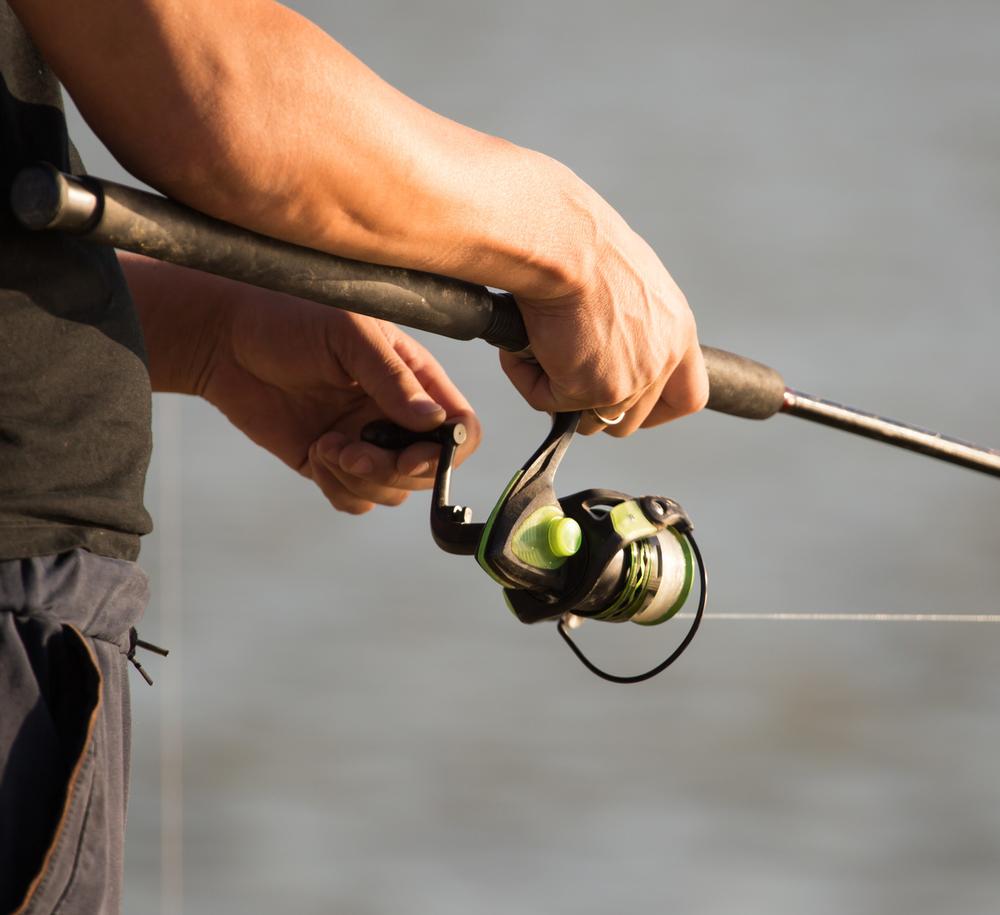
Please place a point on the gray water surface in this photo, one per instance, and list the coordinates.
(365, 728)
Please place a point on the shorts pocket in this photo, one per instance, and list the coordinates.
(52, 684)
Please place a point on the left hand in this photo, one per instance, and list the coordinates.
(302, 379)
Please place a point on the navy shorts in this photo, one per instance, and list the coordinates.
(65, 626)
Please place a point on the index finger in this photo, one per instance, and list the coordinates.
(443, 390)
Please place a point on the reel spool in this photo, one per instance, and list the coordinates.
(598, 554)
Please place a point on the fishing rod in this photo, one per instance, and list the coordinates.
(598, 554)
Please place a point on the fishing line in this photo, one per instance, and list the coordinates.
(849, 617)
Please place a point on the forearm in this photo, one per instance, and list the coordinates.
(245, 110)
(181, 312)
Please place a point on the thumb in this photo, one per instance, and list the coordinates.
(387, 379)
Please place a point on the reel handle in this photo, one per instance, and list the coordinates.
(384, 433)
(451, 525)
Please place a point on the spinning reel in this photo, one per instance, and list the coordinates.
(597, 554)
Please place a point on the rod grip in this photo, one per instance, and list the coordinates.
(133, 220)
(44, 198)
(741, 387)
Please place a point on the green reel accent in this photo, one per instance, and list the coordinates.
(565, 537)
(547, 538)
(488, 529)
(640, 566)
(629, 521)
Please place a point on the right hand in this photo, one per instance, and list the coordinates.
(302, 380)
(622, 338)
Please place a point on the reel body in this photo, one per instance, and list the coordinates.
(597, 554)
(634, 562)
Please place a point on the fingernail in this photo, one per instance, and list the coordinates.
(419, 469)
(425, 406)
(363, 465)
(330, 448)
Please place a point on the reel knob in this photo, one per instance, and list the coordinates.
(565, 537)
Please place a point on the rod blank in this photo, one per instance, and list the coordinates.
(892, 432)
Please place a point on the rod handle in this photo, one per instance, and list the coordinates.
(133, 220)
(742, 387)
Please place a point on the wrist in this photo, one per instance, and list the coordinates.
(550, 247)
(184, 315)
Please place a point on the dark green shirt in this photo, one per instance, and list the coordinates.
(74, 388)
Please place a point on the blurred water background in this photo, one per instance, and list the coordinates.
(361, 726)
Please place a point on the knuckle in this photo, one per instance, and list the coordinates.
(391, 479)
(686, 402)
(395, 498)
(351, 506)
(700, 399)
(633, 419)
(697, 393)
(395, 372)
(608, 391)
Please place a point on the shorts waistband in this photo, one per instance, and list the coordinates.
(102, 597)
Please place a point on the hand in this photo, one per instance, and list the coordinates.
(622, 339)
(301, 380)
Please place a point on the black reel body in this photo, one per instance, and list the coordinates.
(629, 567)
(597, 554)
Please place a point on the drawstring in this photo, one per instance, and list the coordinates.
(135, 642)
